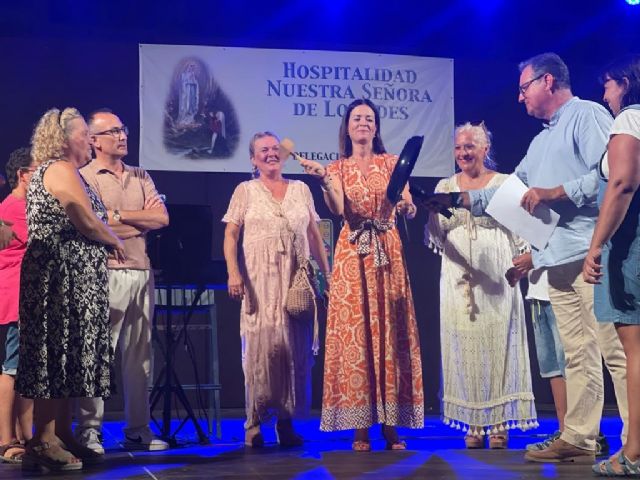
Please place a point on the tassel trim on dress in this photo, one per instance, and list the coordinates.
(491, 430)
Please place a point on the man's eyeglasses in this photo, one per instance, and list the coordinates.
(114, 132)
(523, 88)
(27, 169)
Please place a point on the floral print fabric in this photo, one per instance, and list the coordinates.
(372, 370)
(64, 309)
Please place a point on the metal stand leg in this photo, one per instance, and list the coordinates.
(214, 393)
(168, 384)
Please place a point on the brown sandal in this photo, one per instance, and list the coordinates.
(399, 445)
(393, 442)
(361, 446)
(474, 441)
(498, 441)
(16, 457)
(49, 457)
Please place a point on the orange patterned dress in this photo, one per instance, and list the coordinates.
(372, 371)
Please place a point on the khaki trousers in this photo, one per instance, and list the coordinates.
(586, 342)
(131, 303)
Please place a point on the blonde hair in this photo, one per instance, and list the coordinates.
(258, 136)
(252, 148)
(482, 136)
(49, 138)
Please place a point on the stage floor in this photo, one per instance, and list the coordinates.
(435, 452)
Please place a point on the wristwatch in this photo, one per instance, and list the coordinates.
(116, 215)
(456, 199)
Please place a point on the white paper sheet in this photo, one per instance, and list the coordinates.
(505, 207)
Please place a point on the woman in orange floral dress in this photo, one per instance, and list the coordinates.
(372, 371)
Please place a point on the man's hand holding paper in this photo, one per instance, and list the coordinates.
(511, 206)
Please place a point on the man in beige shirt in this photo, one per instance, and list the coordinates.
(134, 207)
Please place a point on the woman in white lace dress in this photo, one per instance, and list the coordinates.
(270, 213)
(486, 378)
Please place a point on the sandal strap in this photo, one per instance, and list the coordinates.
(52, 458)
(628, 467)
(41, 447)
(14, 445)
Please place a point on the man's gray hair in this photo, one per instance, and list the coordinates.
(548, 63)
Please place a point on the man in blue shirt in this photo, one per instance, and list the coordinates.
(559, 169)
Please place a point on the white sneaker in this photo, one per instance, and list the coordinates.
(90, 438)
(143, 439)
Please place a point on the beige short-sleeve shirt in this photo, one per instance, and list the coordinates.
(134, 190)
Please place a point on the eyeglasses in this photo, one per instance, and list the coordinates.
(27, 169)
(523, 88)
(114, 132)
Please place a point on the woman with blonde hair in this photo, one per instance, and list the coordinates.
(270, 222)
(64, 316)
(486, 378)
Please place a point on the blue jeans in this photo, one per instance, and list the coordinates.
(617, 297)
(548, 345)
(12, 346)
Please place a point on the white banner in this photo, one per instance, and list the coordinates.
(200, 106)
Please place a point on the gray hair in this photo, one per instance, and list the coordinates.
(482, 136)
(548, 62)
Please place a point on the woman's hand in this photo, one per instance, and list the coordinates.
(236, 286)
(591, 268)
(406, 208)
(118, 252)
(313, 168)
(331, 189)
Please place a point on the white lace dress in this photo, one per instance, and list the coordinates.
(276, 352)
(486, 377)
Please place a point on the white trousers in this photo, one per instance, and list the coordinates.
(131, 303)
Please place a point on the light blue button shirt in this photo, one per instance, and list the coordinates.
(565, 153)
